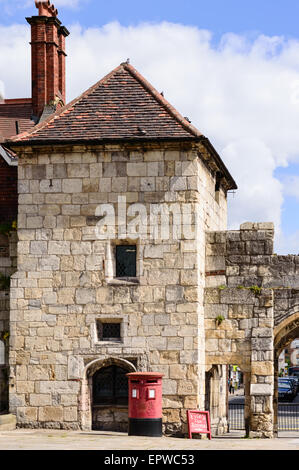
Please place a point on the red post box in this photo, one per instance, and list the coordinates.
(145, 404)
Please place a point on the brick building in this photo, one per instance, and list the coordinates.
(48, 94)
(18, 116)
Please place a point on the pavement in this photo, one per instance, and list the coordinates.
(237, 393)
(32, 439)
(48, 439)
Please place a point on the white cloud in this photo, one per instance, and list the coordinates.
(288, 244)
(291, 186)
(259, 197)
(243, 94)
(15, 60)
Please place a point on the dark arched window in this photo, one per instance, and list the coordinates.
(110, 386)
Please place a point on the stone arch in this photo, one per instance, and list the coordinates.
(97, 364)
(86, 392)
(286, 331)
(216, 397)
(212, 393)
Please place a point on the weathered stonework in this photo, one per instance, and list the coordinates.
(196, 305)
(169, 314)
(254, 293)
(66, 282)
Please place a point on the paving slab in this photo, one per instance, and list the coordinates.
(30, 439)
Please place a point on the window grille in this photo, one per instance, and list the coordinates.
(108, 331)
(126, 261)
(110, 386)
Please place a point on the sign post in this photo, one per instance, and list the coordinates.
(199, 422)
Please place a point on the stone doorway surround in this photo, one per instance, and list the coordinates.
(86, 389)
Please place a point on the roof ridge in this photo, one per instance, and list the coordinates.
(162, 101)
(137, 76)
(67, 107)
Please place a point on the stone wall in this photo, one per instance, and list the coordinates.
(239, 315)
(66, 282)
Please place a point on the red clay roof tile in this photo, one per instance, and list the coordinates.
(123, 105)
(12, 111)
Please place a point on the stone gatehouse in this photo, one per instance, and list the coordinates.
(124, 263)
(256, 294)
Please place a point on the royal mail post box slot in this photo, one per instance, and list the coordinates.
(135, 381)
(151, 381)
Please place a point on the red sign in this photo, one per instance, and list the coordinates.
(198, 422)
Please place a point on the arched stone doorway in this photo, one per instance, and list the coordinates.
(104, 395)
(284, 334)
(216, 398)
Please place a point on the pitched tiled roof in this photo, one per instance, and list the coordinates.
(15, 115)
(123, 105)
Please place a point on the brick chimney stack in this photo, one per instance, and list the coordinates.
(47, 60)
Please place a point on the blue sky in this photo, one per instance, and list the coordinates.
(271, 17)
(232, 66)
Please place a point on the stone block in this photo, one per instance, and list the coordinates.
(26, 414)
(59, 248)
(163, 277)
(81, 248)
(175, 344)
(237, 296)
(38, 399)
(169, 387)
(66, 295)
(24, 386)
(38, 372)
(186, 387)
(51, 413)
(262, 368)
(73, 185)
(261, 389)
(78, 170)
(177, 371)
(174, 293)
(85, 296)
(38, 248)
(70, 414)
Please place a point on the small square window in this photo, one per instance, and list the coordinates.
(108, 331)
(125, 261)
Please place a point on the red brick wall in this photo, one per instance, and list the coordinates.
(47, 61)
(9, 192)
